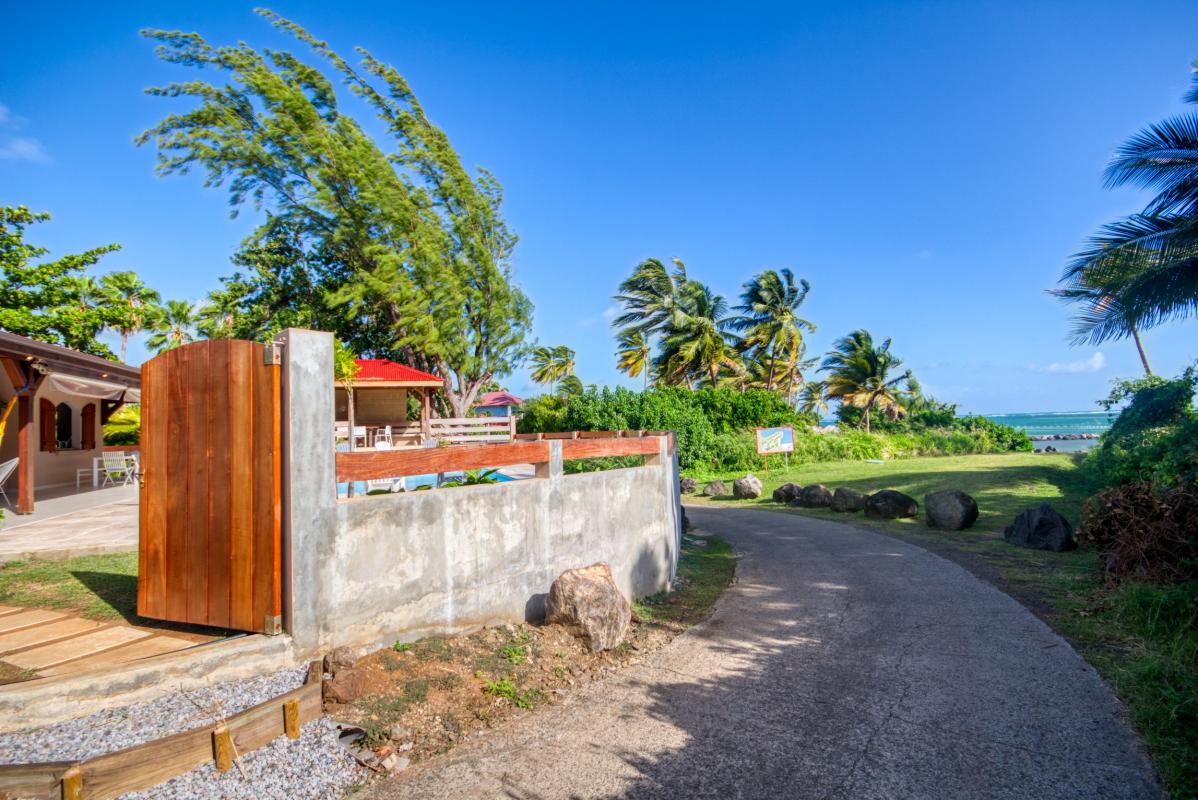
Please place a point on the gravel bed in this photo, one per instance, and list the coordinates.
(118, 728)
(312, 767)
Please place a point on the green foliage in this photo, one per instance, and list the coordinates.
(173, 326)
(551, 364)
(507, 688)
(52, 301)
(859, 376)
(124, 426)
(1154, 438)
(401, 250)
(542, 414)
(473, 478)
(133, 304)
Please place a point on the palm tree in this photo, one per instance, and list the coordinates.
(135, 300)
(769, 319)
(173, 326)
(813, 398)
(1142, 270)
(633, 353)
(570, 386)
(697, 343)
(859, 376)
(650, 297)
(551, 364)
(84, 291)
(215, 318)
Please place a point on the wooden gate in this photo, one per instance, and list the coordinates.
(209, 551)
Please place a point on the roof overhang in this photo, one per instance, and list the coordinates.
(100, 374)
(394, 384)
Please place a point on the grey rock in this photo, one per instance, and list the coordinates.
(588, 601)
(1041, 528)
(715, 488)
(847, 500)
(950, 509)
(688, 485)
(815, 496)
(746, 488)
(787, 492)
(889, 504)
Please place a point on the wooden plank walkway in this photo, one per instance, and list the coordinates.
(47, 643)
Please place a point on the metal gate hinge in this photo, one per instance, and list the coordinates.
(272, 354)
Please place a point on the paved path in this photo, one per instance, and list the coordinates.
(843, 664)
(87, 523)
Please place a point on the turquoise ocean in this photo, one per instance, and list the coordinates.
(1059, 422)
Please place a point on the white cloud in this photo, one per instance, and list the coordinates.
(1094, 363)
(23, 148)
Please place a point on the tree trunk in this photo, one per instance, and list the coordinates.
(1135, 335)
(349, 405)
(124, 345)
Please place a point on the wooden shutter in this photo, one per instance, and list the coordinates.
(88, 418)
(47, 419)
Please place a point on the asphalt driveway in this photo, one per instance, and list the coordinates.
(843, 664)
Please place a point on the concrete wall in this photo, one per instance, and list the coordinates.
(371, 570)
(56, 468)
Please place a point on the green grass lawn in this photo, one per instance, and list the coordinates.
(100, 587)
(1143, 639)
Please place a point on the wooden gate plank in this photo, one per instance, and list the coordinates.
(151, 575)
(195, 526)
(265, 466)
(220, 368)
(178, 379)
(241, 487)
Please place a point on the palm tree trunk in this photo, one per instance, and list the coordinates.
(124, 345)
(1135, 335)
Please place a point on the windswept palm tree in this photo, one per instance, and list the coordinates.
(135, 301)
(173, 326)
(698, 344)
(632, 357)
(214, 319)
(813, 398)
(1142, 270)
(551, 364)
(84, 291)
(858, 374)
(570, 386)
(651, 297)
(770, 321)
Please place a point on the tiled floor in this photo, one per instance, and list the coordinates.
(99, 521)
(45, 643)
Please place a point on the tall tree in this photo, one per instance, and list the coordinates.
(813, 398)
(859, 375)
(551, 364)
(651, 297)
(698, 343)
(52, 301)
(632, 355)
(173, 325)
(1142, 270)
(770, 321)
(133, 303)
(412, 246)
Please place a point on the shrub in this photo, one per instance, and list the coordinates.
(1143, 532)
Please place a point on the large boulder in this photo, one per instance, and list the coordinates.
(951, 510)
(847, 500)
(688, 485)
(889, 504)
(746, 488)
(347, 686)
(1041, 528)
(588, 601)
(715, 489)
(815, 496)
(787, 492)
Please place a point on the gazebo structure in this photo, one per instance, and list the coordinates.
(390, 396)
(57, 399)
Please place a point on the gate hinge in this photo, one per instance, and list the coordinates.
(272, 354)
(273, 625)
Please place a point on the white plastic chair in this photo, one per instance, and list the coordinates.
(383, 435)
(115, 467)
(360, 433)
(6, 471)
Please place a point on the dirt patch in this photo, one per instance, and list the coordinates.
(421, 699)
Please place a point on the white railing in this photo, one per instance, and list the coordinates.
(473, 430)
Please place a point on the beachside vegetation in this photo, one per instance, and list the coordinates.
(395, 247)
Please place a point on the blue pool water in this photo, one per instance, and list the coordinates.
(414, 481)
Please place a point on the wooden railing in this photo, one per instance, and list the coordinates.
(473, 430)
(365, 465)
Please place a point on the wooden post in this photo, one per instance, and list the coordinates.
(425, 412)
(291, 723)
(26, 450)
(72, 784)
(222, 748)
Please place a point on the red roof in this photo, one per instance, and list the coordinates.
(497, 400)
(380, 369)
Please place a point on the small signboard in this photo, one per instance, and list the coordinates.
(775, 440)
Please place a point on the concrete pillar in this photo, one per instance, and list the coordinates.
(309, 480)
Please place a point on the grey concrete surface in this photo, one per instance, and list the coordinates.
(71, 524)
(842, 664)
(366, 571)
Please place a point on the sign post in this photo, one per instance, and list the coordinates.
(775, 440)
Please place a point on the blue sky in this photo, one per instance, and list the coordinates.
(929, 167)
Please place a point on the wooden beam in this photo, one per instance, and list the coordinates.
(602, 448)
(364, 465)
(16, 372)
(26, 449)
